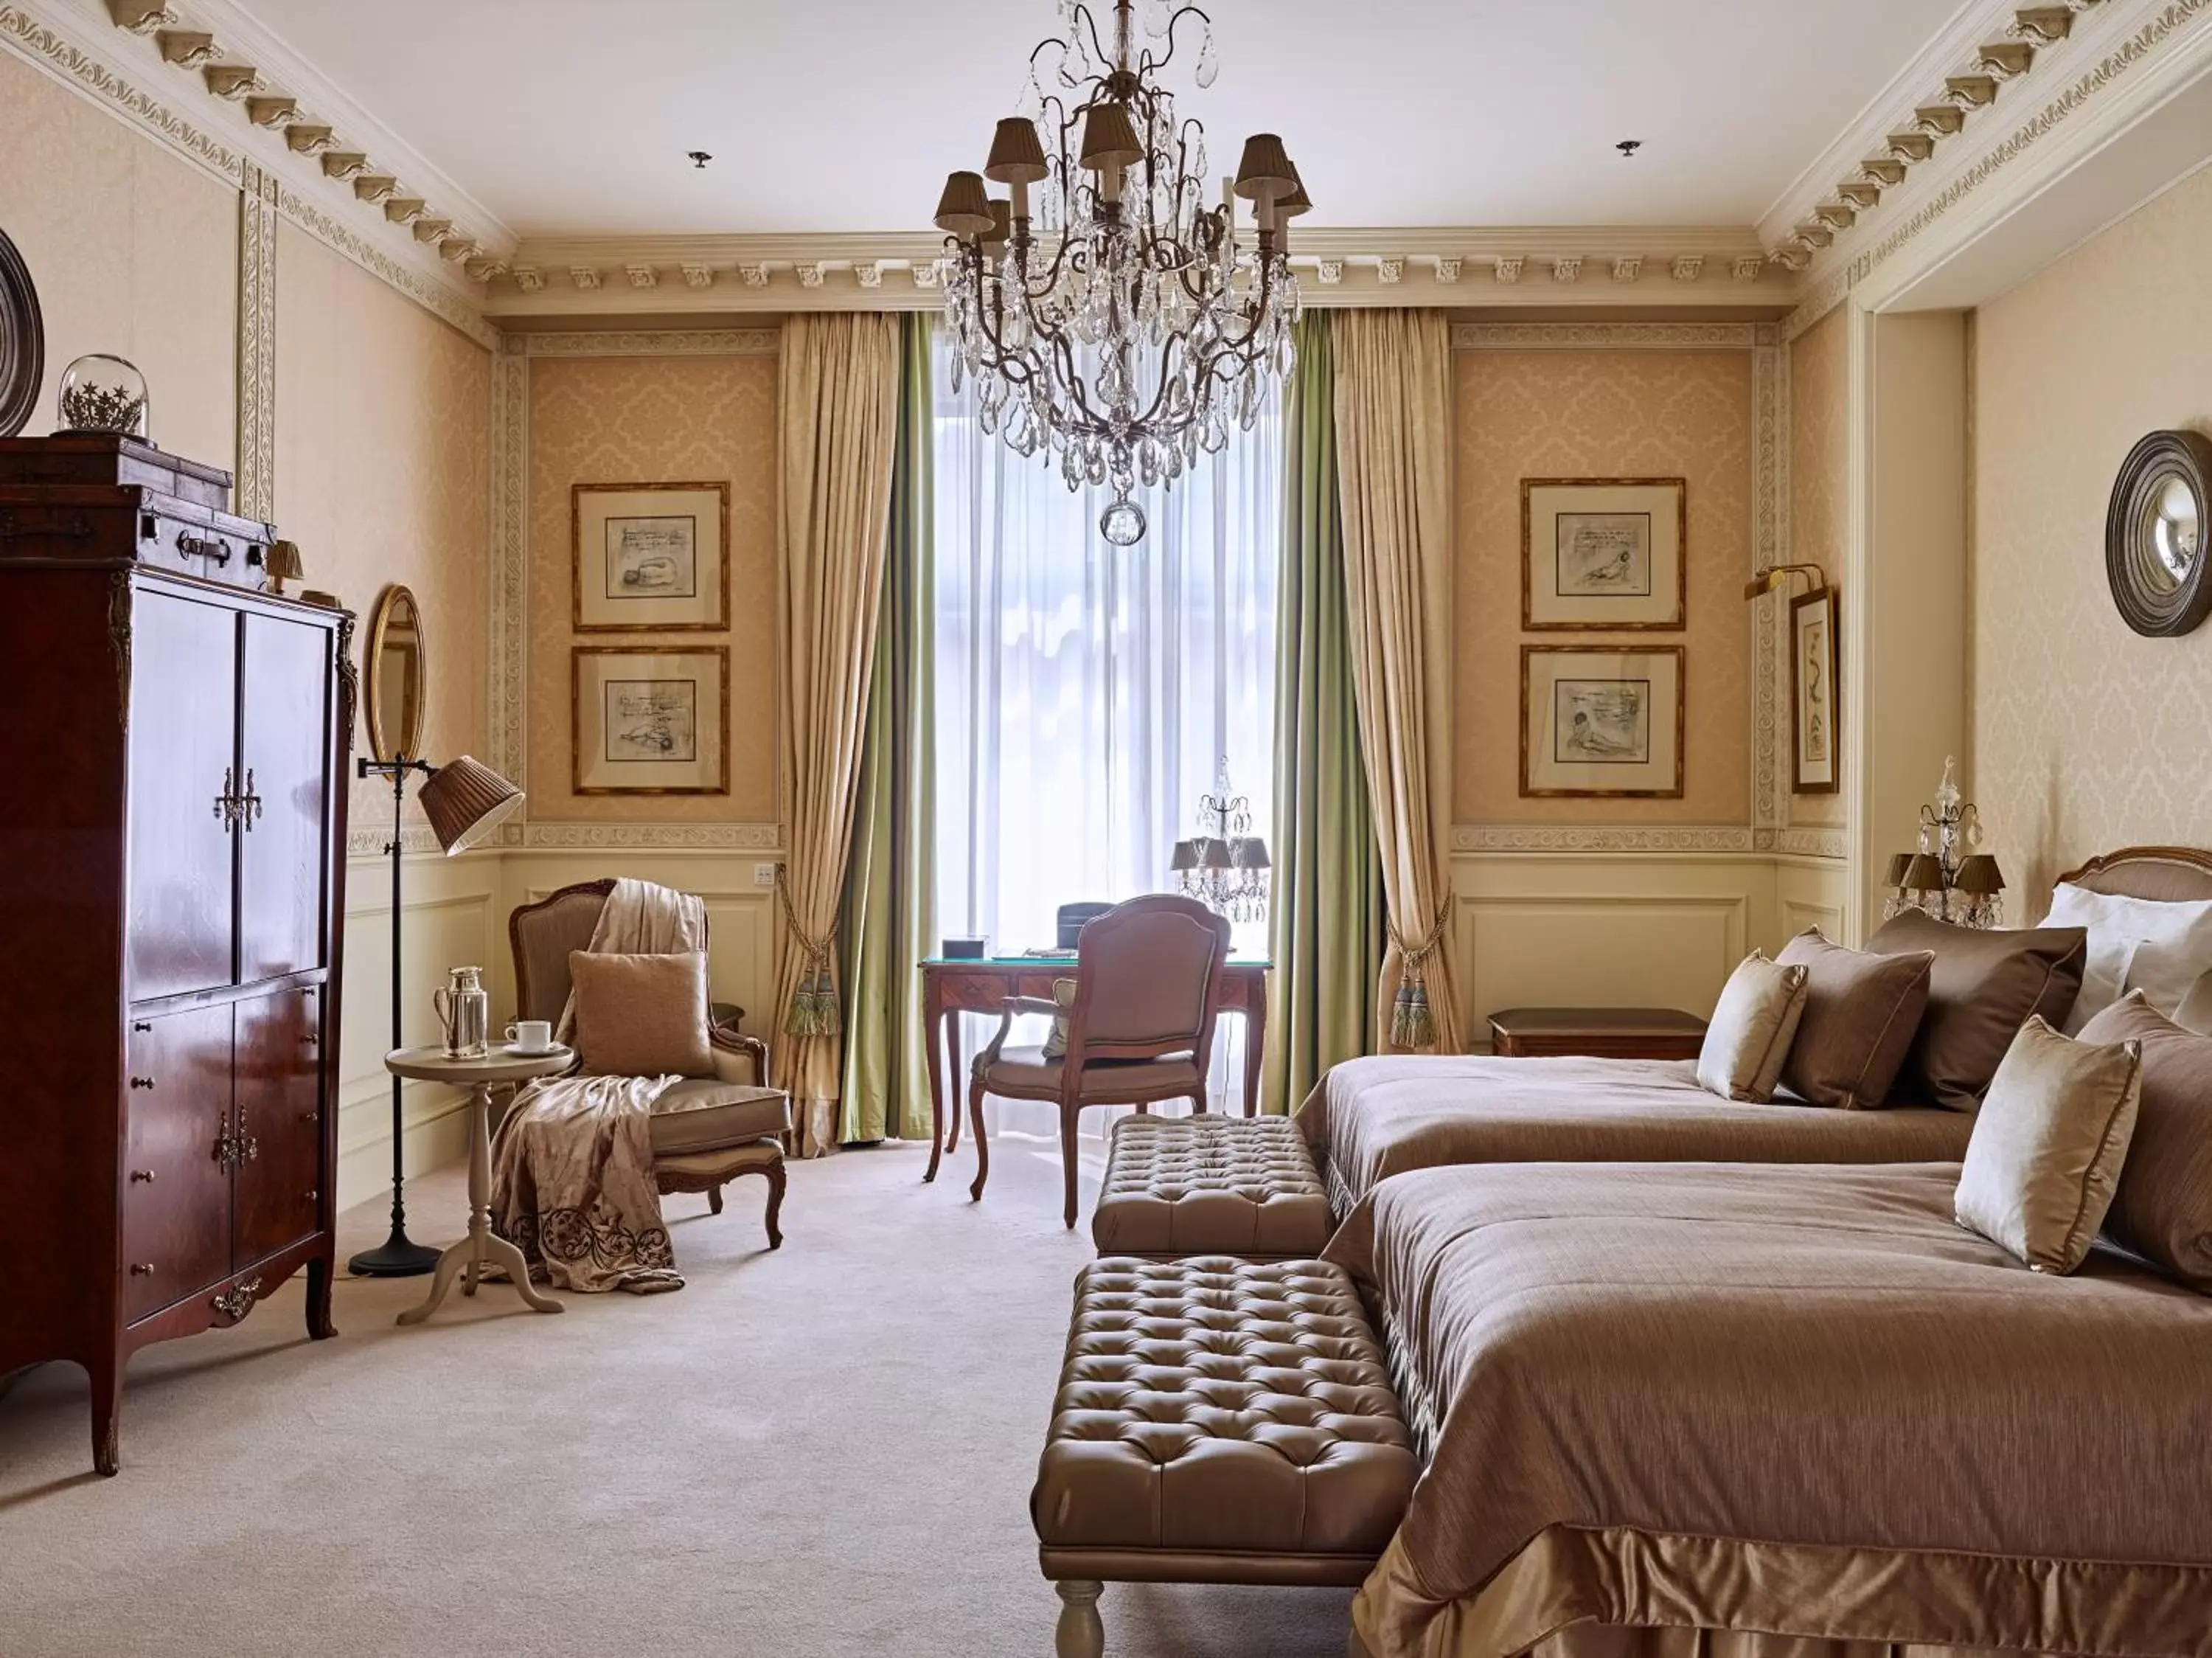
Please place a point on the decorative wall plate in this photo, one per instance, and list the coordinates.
(22, 340)
(2156, 532)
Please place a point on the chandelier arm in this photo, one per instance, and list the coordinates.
(1168, 56)
(1083, 15)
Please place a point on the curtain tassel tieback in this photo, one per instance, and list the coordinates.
(1413, 1023)
(815, 1006)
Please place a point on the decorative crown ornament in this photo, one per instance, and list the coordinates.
(1126, 326)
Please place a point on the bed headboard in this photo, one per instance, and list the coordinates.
(2168, 874)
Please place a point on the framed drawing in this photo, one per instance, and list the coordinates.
(649, 720)
(1599, 723)
(1602, 553)
(1814, 685)
(651, 557)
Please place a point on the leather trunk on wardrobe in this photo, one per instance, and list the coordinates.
(173, 739)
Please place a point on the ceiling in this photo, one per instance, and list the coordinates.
(573, 116)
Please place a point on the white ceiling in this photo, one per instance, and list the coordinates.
(574, 116)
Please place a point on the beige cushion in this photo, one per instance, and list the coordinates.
(1981, 990)
(1020, 1072)
(1751, 1030)
(2163, 1208)
(1205, 1184)
(1861, 1012)
(700, 1115)
(2048, 1145)
(641, 1015)
(1063, 992)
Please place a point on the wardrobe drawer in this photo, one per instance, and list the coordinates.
(175, 1180)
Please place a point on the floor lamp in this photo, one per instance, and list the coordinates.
(460, 799)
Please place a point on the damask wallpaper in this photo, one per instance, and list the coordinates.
(1819, 456)
(602, 420)
(133, 252)
(2085, 735)
(383, 458)
(1602, 414)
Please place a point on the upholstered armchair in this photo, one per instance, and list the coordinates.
(706, 1131)
(1140, 1025)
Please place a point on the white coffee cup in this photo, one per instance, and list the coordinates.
(531, 1036)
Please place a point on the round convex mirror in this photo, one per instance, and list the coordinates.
(22, 340)
(398, 683)
(2154, 551)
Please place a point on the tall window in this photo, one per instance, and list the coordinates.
(1087, 694)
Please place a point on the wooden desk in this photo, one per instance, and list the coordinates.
(951, 988)
(1600, 1032)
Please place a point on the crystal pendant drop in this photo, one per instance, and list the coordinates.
(1122, 523)
(1208, 64)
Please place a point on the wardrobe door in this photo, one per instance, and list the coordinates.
(279, 1124)
(183, 706)
(176, 1180)
(286, 788)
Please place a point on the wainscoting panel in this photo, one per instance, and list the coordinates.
(452, 920)
(1812, 892)
(1626, 929)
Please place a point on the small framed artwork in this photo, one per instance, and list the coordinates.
(1602, 553)
(1815, 685)
(1599, 723)
(651, 557)
(649, 720)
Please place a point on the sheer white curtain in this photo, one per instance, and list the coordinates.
(1087, 694)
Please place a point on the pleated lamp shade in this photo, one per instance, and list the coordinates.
(1297, 201)
(1265, 173)
(1925, 874)
(1900, 865)
(1978, 875)
(1109, 140)
(1016, 157)
(463, 797)
(964, 210)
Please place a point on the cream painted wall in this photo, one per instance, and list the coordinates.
(2086, 736)
(133, 252)
(1819, 484)
(668, 419)
(1607, 414)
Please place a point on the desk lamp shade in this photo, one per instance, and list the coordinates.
(463, 797)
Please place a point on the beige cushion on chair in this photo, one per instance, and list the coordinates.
(1027, 1071)
(641, 1015)
(702, 1113)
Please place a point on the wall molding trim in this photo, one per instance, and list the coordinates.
(1614, 336)
(1731, 838)
(654, 837)
(254, 487)
(726, 342)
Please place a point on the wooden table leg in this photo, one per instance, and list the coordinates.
(1255, 1047)
(482, 1245)
(932, 1030)
(952, 1077)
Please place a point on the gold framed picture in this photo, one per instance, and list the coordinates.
(1603, 554)
(649, 719)
(651, 557)
(1599, 723)
(1815, 687)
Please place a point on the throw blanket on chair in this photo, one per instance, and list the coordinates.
(572, 1166)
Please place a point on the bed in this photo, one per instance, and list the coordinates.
(1368, 1120)
(1659, 1399)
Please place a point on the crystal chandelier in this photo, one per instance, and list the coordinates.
(1224, 866)
(1128, 325)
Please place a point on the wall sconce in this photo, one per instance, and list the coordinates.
(1777, 577)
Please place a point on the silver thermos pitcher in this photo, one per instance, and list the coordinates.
(464, 1010)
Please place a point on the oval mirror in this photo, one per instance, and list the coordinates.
(2155, 534)
(399, 687)
(22, 340)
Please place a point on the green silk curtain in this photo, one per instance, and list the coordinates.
(885, 923)
(1326, 929)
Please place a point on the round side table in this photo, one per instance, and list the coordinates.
(482, 1247)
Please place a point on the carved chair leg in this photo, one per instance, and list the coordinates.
(714, 1199)
(1081, 1633)
(1068, 1116)
(774, 1173)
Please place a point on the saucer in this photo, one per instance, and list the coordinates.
(521, 1052)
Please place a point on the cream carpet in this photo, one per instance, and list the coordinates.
(819, 1452)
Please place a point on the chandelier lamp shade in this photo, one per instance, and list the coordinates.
(1117, 318)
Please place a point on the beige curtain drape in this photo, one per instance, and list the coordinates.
(839, 421)
(1394, 467)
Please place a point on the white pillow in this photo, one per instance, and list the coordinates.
(2162, 949)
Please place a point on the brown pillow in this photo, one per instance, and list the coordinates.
(1862, 1011)
(1981, 990)
(1751, 1029)
(2048, 1145)
(2163, 1209)
(641, 1015)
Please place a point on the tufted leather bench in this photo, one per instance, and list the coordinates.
(1218, 1421)
(1211, 1185)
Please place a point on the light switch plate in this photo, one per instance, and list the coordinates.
(764, 875)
